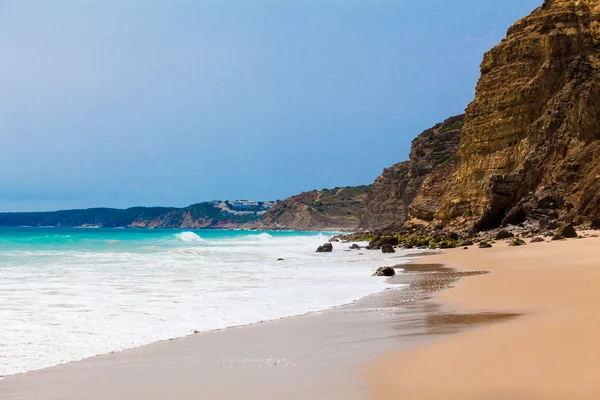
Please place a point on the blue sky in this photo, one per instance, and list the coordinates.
(122, 103)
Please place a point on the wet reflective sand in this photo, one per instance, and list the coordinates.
(317, 356)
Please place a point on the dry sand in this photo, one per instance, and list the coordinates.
(550, 352)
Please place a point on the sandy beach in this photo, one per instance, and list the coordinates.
(550, 352)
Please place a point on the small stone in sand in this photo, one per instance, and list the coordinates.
(537, 240)
(516, 242)
(484, 245)
(385, 271)
(567, 231)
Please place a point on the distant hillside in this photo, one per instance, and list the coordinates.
(333, 209)
(214, 214)
(337, 208)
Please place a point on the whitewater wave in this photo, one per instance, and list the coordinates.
(164, 284)
(322, 236)
(264, 236)
(189, 237)
(261, 236)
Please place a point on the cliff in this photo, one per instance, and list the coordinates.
(529, 145)
(530, 140)
(394, 191)
(327, 209)
(214, 214)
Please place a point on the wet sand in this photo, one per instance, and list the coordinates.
(550, 352)
(315, 356)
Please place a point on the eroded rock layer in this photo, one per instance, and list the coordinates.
(394, 191)
(530, 144)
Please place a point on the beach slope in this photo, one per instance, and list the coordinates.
(550, 352)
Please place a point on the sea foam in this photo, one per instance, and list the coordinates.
(116, 289)
(261, 236)
(188, 237)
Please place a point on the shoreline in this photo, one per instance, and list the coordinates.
(94, 306)
(549, 352)
(310, 355)
(211, 331)
(387, 284)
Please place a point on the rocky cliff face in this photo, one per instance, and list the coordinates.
(327, 209)
(530, 143)
(393, 193)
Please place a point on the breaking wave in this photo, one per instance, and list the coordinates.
(189, 237)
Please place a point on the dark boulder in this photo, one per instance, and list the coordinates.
(453, 236)
(280, 259)
(438, 237)
(377, 243)
(537, 240)
(484, 245)
(387, 248)
(467, 243)
(503, 234)
(355, 246)
(326, 248)
(567, 231)
(389, 240)
(385, 271)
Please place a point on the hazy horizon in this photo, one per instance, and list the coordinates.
(116, 104)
